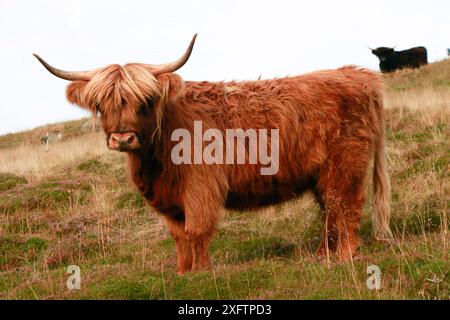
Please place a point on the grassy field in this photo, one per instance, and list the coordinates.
(74, 205)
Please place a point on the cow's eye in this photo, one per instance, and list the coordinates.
(146, 107)
(143, 110)
(150, 102)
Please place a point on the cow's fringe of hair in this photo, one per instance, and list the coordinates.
(159, 114)
(94, 120)
(159, 110)
(113, 87)
(123, 89)
(171, 87)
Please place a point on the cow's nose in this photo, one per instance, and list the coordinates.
(123, 141)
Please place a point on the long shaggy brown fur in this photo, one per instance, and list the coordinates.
(331, 128)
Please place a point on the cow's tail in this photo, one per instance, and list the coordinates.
(381, 186)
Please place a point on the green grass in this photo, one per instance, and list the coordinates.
(130, 200)
(93, 166)
(240, 247)
(16, 251)
(50, 195)
(9, 181)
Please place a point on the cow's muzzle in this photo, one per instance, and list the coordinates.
(123, 141)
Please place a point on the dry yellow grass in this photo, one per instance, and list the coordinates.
(35, 163)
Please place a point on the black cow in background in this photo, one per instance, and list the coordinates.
(391, 60)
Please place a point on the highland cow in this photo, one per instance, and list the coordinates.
(391, 60)
(331, 128)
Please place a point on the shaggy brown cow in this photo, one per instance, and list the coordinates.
(330, 125)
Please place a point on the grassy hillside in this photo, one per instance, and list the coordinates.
(74, 205)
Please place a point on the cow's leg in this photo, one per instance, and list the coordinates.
(202, 211)
(200, 251)
(342, 215)
(200, 227)
(184, 255)
(329, 241)
(203, 202)
(341, 186)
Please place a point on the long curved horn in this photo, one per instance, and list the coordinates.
(157, 69)
(66, 75)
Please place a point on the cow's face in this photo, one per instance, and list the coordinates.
(382, 52)
(127, 130)
(130, 101)
(130, 98)
(124, 96)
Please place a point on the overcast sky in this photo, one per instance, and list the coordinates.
(236, 40)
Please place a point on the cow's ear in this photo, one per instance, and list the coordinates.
(75, 94)
(171, 86)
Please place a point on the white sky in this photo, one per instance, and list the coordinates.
(237, 40)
